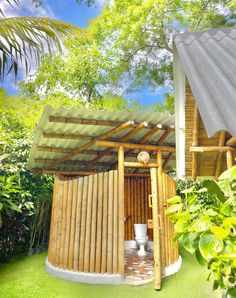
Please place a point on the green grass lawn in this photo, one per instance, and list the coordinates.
(25, 277)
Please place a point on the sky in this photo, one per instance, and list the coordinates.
(78, 15)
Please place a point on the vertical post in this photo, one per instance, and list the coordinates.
(161, 208)
(156, 230)
(195, 142)
(229, 159)
(220, 154)
(121, 254)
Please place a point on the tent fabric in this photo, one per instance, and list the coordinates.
(209, 62)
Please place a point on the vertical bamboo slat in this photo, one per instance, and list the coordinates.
(115, 224)
(63, 225)
(83, 224)
(78, 224)
(73, 222)
(121, 208)
(104, 224)
(110, 222)
(88, 224)
(99, 224)
(68, 221)
(94, 224)
(156, 230)
(59, 208)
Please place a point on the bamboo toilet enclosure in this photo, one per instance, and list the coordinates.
(93, 216)
(102, 189)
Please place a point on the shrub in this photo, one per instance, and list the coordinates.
(204, 217)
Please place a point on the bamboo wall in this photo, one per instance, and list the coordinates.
(206, 162)
(85, 224)
(85, 221)
(137, 209)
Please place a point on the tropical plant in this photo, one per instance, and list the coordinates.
(24, 39)
(209, 230)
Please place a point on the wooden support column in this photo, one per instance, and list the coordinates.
(161, 208)
(229, 159)
(195, 142)
(121, 171)
(220, 154)
(156, 230)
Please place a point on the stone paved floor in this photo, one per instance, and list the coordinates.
(138, 270)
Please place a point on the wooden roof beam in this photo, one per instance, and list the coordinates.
(134, 146)
(75, 120)
(202, 149)
(71, 162)
(88, 145)
(87, 173)
(132, 132)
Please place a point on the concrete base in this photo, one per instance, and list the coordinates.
(98, 278)
(91, 278)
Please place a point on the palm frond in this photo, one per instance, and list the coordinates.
(24, 39)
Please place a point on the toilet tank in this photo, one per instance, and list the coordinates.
(140, 230)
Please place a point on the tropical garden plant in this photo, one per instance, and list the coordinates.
(204, 218)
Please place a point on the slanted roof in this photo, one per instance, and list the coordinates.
(209, 62)
(65, 139)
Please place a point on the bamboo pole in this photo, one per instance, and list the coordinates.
(94, 224)
(78, 224)
(59, 221)
(53, 234)
(87, 247)
(104, 224)
(110, 223)
(202, 149)
(125, 208)
(195, 141)
(87, 173)
(139, 199)
(83, 224)
(161, 187)
(99, 224)
(222, 136)
(134, 146)
(140, 165)
(68, 222)
(63, 225)
(121, 208)
(115, 224)
(156, 231)
(229, 159)
(73, 224)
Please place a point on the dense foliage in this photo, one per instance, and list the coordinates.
(204, 218)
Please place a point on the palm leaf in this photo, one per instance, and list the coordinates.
(24, 39)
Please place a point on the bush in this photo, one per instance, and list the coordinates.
(204, 217)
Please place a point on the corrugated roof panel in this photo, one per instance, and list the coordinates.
(209, 61)
(45, 126)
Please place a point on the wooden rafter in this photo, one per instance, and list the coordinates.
(88, 152)
(66, 136)
(168, 158)
(127, 136)
(70, 162)
(75, 120)
(165, 135)
(88, 145)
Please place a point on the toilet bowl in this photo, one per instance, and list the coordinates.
(141, 237)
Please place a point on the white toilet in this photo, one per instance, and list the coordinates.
(141, 237)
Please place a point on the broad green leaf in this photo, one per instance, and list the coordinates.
(228, 174)
(175, 199)
(219, 232)
(200, 225)
(1, 206)
(188, 242)
(210, 245)
(174, 208)
(214, 188)
(199, 257)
